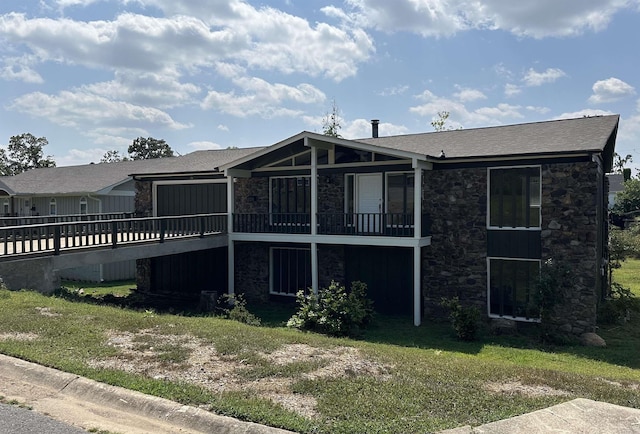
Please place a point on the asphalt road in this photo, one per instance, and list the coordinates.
(17, 420)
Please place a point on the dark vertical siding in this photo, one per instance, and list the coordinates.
(180, 199)
(388, 273)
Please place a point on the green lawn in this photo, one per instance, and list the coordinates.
(629, 275)
(405, 378)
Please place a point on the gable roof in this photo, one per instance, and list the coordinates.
(101, 178)
(580, 135)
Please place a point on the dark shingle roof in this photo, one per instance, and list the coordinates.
(95, 178)
(588, 134)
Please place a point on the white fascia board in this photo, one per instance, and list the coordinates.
(262, 152)
(331, 239)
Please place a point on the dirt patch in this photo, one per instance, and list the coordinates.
(18, 336)
(46, 311)
(146, 352)
(517, 388)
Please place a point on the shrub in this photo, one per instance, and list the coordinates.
(464, 319)
(618, 306)
(234, 307)
(334, 311)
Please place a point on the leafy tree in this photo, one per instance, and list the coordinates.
(619, 163)
(24, 152)
(112, 156)
(331, 122)
(439, 124)
(147, 148)
(628, 200)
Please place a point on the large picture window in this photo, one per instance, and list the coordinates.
(290, 270)
(400, 193)
(291, 195)
(511, 288)
(514, 197)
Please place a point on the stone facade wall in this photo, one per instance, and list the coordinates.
(252, 271)
(143, 204)
(143, 207)
(569, 236)
(331, 265)
(331, 193)
(455, 262)
(252, 195)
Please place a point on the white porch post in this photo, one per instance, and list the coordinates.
(230, 248)
(417, 287)
(417, 234)
(314, 216)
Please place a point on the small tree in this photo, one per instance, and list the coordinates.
(112, 156)
(24, 152)
(439, 124)
(628, 200)
(331, 122)
(148, 148)
(619, 163)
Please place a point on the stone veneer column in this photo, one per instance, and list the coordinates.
(455, 262)
(569, 236)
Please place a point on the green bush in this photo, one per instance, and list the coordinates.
(234, 307)
(617, 308)
(334, 311)
(464, 319)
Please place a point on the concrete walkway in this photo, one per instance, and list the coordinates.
(92, 405)
(580, 416)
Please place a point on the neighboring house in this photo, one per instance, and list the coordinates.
(468, 213)
(103, 188)
(616, 185)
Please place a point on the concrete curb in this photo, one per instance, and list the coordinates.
(63, 384)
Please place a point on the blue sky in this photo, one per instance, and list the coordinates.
(92, 75)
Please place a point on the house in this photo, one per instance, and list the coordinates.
(106, 188)
(468, 213)
(616, 185)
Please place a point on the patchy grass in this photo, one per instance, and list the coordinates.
(99, 290)
(397, 378)
(629, 275)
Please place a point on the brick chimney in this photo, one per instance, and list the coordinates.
(374, 128)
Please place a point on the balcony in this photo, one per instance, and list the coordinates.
(363, 224)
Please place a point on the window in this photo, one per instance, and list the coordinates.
(291, 195)
(5, 208)
(511, 288)
(290, 270)
(400, 187)
(514, 197)
(83, 205)
(53, 206)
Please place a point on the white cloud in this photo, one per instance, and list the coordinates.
(539, 19)
(609, 90)
(19, 69)
(512, 90)
(394, 90)
(468, 95)
(460, 115)
(79, 109)
(534, 78)
(222, 127)
(262, 98)
(203, 145)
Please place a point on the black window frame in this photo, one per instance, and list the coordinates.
(502, 194)
(505, 296)
(284, 260)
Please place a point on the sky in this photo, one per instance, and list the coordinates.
(93, 75)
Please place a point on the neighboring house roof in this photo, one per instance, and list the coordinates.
(101, 178)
